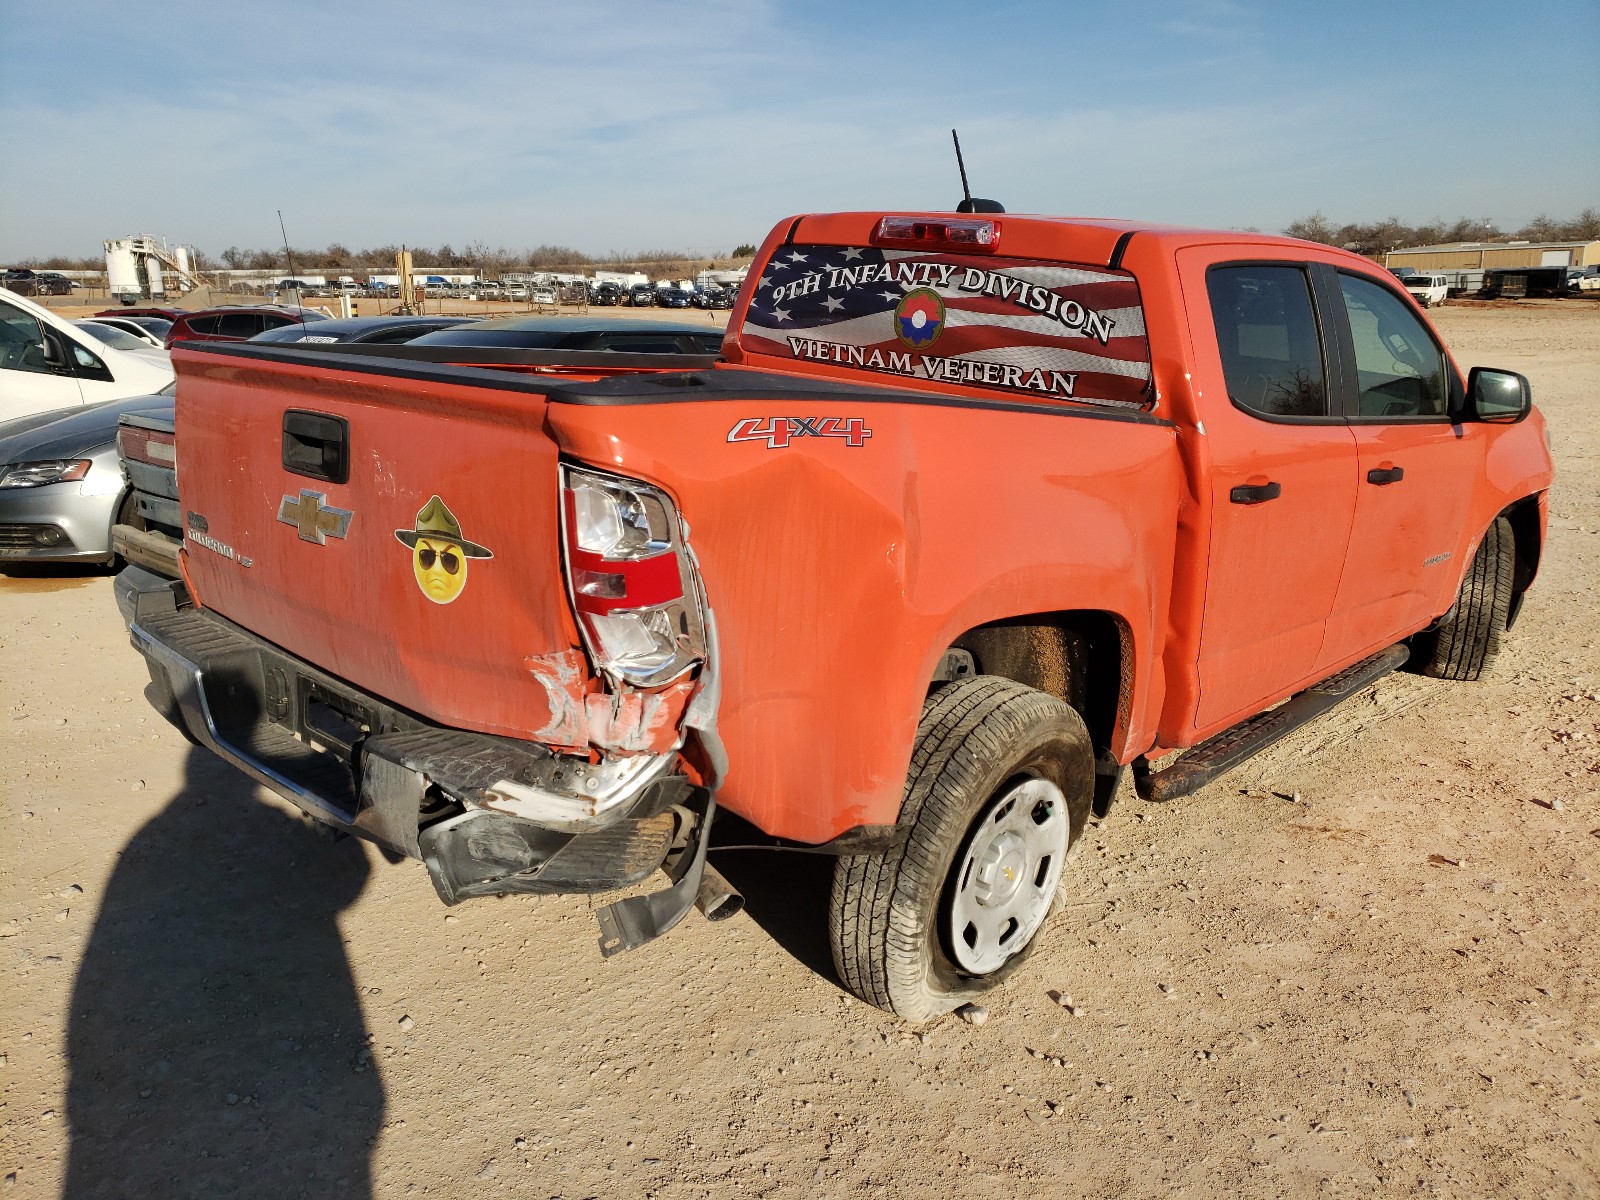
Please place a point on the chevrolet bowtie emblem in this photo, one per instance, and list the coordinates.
(310, 514)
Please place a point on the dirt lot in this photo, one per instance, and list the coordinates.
(1363, 965)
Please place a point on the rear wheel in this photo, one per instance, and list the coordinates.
(1467, 639)
(999, 790)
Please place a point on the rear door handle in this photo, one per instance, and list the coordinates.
(1255, 493)
(1383, 475)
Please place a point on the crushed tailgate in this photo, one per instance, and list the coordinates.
(395, 524)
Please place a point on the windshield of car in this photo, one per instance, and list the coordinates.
(118, 339)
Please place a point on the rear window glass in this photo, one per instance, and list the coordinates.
(1040, 329)
(522, 338)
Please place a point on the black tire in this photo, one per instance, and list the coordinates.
(1467, 639)
(976, 741)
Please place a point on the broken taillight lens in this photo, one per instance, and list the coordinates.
(939, 233)
(632, 583)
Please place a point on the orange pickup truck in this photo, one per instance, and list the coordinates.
(974, 512)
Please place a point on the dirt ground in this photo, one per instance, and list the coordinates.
(1363, 965)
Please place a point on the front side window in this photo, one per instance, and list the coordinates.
(1267, 335)
(1399, 368)
(22, 345)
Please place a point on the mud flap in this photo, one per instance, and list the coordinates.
(629, 924)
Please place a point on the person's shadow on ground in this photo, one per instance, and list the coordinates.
(215, 1031)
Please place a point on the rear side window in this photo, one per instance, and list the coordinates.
(203, 324)
(1017, 325)
(1399, 368)
(1267, 336)
(240, 325)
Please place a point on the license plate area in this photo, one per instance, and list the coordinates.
(331, 720)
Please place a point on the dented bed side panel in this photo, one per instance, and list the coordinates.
(839, 572)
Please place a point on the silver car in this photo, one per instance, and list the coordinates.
(61, 486)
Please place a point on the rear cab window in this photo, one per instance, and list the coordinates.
(1041, 330)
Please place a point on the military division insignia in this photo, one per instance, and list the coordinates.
(919, 317)
(439, 553)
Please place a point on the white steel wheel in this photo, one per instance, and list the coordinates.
(999, 789)
(1006, 881)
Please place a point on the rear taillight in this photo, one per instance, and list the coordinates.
(632, 583)
(147, 446)
(939, 233)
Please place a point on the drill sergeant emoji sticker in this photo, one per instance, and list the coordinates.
(439, 553)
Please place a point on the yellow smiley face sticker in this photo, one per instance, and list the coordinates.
(439, 552)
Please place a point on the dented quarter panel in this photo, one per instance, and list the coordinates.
(840, 573)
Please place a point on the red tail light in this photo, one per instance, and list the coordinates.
(630, 577)
(147, 446)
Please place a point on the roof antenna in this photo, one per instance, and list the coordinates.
(300, 305)
(970, 204)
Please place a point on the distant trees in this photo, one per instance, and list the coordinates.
(1392, 233)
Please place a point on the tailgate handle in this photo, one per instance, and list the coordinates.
(316, 445)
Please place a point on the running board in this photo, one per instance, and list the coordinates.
(1216, 755)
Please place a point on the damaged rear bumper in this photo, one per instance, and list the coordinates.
(486, 814)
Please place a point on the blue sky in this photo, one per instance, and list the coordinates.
(622, 125)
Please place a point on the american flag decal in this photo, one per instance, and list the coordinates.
(1075, 333)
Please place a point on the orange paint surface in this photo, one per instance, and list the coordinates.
(840, 569)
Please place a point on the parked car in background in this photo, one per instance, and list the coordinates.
(607, 294)
(47, 363)
(21, 281)
(164, 314)
(140, 342)
(156, 327)
(613, 334)
(236, 324)
(53, 283)
(515, 291)
(367, 330)
(137, 329)
(545, 296)
(642, 295)
(1427, 290)
(671, 297)
(61, 486)
(1584, 279)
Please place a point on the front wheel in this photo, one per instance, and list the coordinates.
(999, 790)
(1467, 639)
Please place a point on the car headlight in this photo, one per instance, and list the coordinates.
(37, 474)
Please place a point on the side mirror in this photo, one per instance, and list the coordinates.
(53, 353)
(1498, 397)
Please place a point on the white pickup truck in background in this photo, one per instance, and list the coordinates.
(1428, 290)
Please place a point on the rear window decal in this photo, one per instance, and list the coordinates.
(1071, 332)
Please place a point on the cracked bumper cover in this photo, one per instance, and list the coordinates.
(530, 820)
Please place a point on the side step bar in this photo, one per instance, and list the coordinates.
(1199, 766)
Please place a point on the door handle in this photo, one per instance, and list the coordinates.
(1255, 493)
(1383, 475)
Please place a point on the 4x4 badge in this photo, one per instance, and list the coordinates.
(314, 519)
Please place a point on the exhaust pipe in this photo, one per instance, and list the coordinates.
(717, 899)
